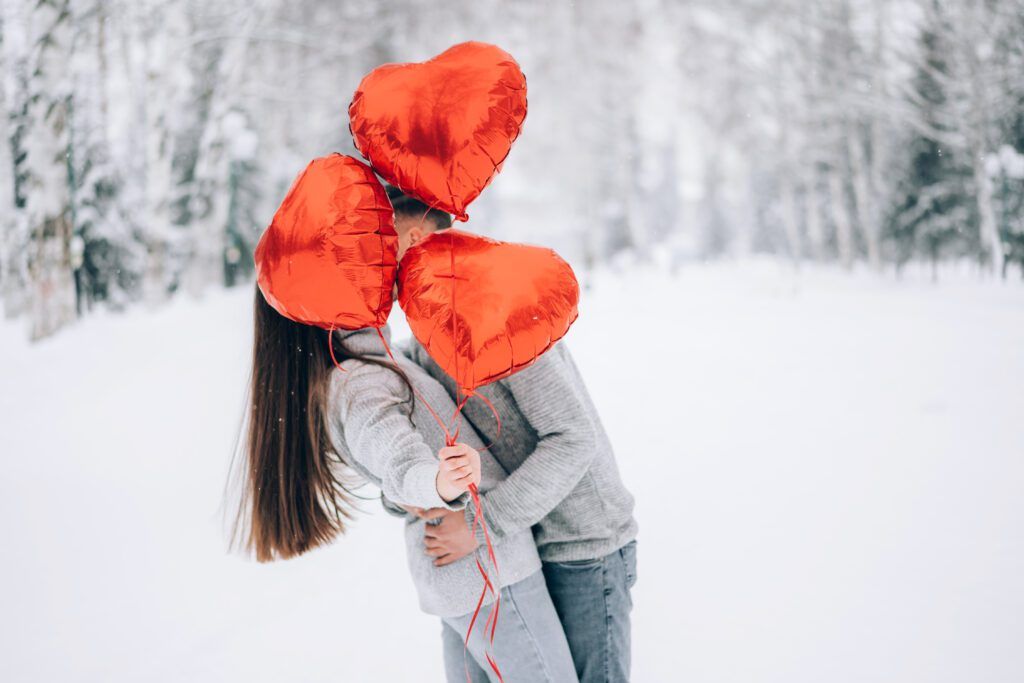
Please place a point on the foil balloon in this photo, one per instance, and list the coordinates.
(329, 257)
(441, 129)
(485, 309)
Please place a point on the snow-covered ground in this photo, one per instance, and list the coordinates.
(829, 472)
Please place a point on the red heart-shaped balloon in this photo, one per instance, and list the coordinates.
(441, 129)
(329, 257)
(485, 309)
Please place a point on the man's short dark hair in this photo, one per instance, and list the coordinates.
(410, 207)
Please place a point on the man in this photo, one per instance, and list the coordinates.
(563, 482)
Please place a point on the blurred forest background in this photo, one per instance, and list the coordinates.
(144, 144)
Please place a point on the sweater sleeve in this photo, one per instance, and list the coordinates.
(383, 440)
(567, 439)
(391, 508)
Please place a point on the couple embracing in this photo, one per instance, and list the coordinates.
(560, 519)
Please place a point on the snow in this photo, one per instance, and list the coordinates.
(1007, 161)
(828, 471)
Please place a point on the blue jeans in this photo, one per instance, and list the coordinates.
(529, 645)
(593, 601)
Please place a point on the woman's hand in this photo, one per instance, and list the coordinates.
(459, 467)
(450, 539)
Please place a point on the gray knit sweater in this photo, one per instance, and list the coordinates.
(395, 448)
(563, 480)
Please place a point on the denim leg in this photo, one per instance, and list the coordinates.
(457, 662)
(593, 601)
(529, 644)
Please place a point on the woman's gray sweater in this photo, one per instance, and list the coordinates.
(394, 444)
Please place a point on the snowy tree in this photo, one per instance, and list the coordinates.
(112, 256)
(15, 240)
(961, 63)
(210, 193)
(935, 208)
(145, 143)
(46, 169)
(9, 252)
(1006, 165)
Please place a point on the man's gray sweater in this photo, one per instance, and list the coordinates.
(563, 480)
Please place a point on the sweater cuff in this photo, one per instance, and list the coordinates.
(459, 503)
(391, 508)
(424, 486)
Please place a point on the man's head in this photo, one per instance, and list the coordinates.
(414, 220)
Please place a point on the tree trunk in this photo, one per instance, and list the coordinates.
(841, 217)
(790, 221)
(812, 211)
(879, 121)
(989, 228)
(53, 286)
(980, 131)
(863, 201)
(155, 85)
(48, 205)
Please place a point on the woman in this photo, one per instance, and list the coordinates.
(307, 417)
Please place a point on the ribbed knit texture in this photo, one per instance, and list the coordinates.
(563, 480)
(396, 449)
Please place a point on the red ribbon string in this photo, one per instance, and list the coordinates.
(448, 438)
(478, 517)
(330, 347)
(491, 623)
(497, 418)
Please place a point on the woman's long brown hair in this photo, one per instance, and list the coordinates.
(294, 495)
(293, 498)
